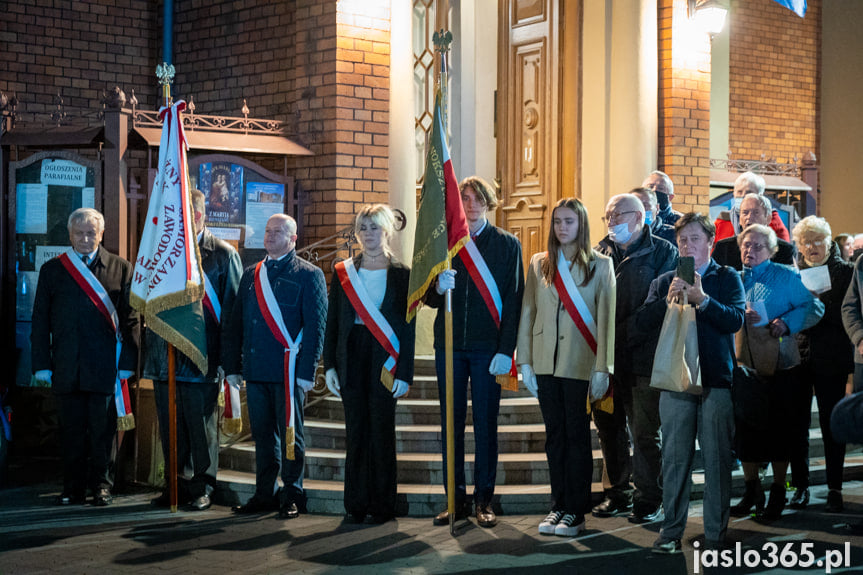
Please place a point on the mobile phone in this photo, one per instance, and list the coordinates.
(686, 269)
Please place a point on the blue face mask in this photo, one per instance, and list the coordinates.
(620, 233)
(648, 218)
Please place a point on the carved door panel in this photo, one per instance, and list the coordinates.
(527, 118)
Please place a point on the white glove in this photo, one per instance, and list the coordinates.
(305, 384)
(333, 382)
(235, 380)
(125, 374)
(445, 281)
(400, 387)
(500, 364)
(220, 373)
(529, 378)
(43, 376)
(598, 385)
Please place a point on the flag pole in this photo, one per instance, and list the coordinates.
(442, 41)
(165, 73)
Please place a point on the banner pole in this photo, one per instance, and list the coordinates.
(172, 427)
(450, 414)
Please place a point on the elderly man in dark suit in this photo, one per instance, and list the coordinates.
(277, 334)
(197, 393)
(754, 209)
(75, 339)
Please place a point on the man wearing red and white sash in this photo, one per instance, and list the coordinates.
(487, 279)
(85, 338)
(197, 393)
(276, 338)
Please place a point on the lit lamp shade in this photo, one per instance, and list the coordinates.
(707, 15)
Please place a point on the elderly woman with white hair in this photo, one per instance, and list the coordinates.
(778, 305)
(826, 357)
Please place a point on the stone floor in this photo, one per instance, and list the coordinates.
(132, 537)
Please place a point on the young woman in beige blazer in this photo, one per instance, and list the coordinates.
(557, 360)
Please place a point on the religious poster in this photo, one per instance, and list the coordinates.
(222, 184)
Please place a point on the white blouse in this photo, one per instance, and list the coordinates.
(375, 282)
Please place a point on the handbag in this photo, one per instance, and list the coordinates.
(676, 364)
(750, 399)
(765, 353)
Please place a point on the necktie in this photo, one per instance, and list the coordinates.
(86, 259)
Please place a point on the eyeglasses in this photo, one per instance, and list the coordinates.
(813, 244)
(753, 247)
(610, 219)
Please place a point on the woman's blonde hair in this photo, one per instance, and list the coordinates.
(380, 215)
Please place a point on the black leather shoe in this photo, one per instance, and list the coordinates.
(354, 518)
(461, 514)
(289, 511)
(201, 503)
(254, 505)
(646, 514)
(800, 499)
(775, 505)
(485, 517)
(374, 519)
(834, 501)
(71, 499)
(612, 507)
(102, 498)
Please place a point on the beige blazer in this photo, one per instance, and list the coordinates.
(546, 326)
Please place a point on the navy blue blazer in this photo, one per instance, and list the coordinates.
(252, 349)
(717, 321)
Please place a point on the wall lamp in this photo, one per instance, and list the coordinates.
(708, 15)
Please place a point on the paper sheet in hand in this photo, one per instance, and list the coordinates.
(761, 309)
(816, 280)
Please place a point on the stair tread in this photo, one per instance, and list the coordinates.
(318, 423)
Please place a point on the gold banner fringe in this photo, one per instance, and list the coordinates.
(126, 423)
(507, 381)
(387, 379)
(221, 400)
(232, 426)
(289, 443)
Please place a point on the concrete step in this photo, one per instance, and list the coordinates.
(427, 500)
(513, 410)
(426, 387)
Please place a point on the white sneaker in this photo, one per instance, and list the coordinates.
(550, 522)
(569, 525)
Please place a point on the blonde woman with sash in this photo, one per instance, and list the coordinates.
(566, 353)
(369, 363)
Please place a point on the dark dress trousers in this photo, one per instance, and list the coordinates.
(197, 393)
(252, 349)
(72, 338)
(350, 348)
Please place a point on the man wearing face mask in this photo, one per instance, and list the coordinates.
(754, 209)
(638, 259)
(728, 222)
(662, 185)
(652, 219)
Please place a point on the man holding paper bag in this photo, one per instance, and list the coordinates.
(717, 294)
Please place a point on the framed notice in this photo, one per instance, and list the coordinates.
(45, 188)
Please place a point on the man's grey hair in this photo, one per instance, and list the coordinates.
(82, 215)
(751, 178)
(669, 185)
(763, 201)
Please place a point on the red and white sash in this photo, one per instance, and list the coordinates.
(372, 317)
(482, 278)
(273, 316)
(91, 286)
(211, 299)
(574, 303)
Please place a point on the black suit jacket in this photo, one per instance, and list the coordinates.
(727, 253)
(341, 316)
(72, 338)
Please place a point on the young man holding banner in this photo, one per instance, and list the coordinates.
(85, 345)
(277, 334)
(197, 393)
(487, 280)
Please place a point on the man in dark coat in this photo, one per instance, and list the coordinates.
(300, 293)
(481, 349)
(662, 185)
(652, 219)
(754, 209)
(197, 393)
(74, 349)
(639, 258)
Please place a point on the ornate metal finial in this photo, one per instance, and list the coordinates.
(191, 106)
(59, 114)
(165, 74)
(245, 109)
(115, 99)
(442, 39)
(133, 101)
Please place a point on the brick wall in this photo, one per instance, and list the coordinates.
(684, 106)
(77, 49)
(774, 103)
